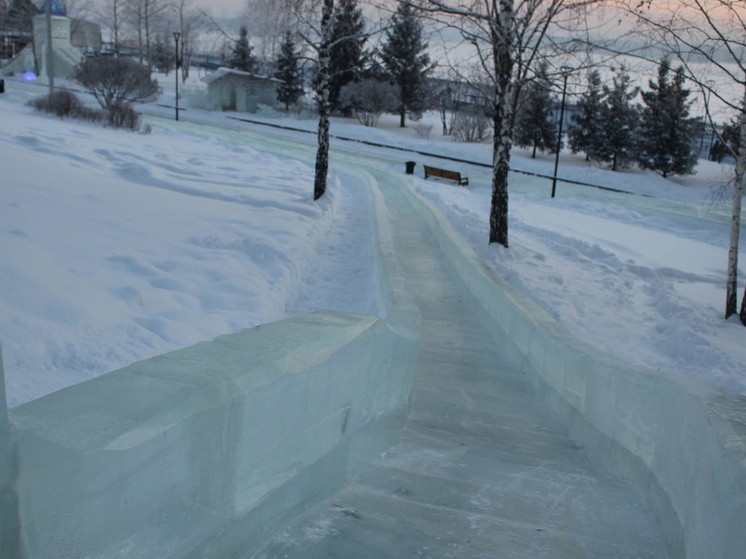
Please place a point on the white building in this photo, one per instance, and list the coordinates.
(233, 90)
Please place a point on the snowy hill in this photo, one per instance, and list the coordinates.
(117, 246)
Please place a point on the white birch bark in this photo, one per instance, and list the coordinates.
(322, 152)
(502, 28)
(731, 292)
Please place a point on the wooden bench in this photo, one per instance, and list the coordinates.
(445, 174)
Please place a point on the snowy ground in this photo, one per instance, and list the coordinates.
(117, 246)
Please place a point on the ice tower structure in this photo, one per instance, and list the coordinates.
(34, 57)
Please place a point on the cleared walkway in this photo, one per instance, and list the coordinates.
(483, 469)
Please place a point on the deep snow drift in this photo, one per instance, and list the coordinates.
(117, 246)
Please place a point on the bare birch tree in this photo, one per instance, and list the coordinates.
(709, 38)
(144, 16)
(189, 21)
(267, 21)
(110, 15)
(508, 36)
(319, 37)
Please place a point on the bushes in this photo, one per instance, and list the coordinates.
(65, 104)
(368, 100)
(471, 125)
(122, 115)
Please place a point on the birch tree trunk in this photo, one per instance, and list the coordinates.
(502, 26)
(322, 152)
(731, 294)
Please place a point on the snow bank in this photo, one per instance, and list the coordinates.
(207, 450)
(679, 441)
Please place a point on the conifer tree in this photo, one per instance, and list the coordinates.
(289, 73)
(162, 56)
(585, 131)
(346, 52)
(535, 126)
(20, 15)
(620, 120)
(667, 132)
(403, 54)
(242, 57)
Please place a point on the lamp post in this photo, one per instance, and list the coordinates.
(50, 53)
(565, 72)
(177, 34)
(706, 98)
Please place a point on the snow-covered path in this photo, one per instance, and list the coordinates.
(483, 470)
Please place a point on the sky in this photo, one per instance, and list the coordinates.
(123, 246)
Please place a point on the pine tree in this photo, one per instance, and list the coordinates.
(585, 131)
(20, 15)
(242, 57)
(346, 53)
(620, 120)
(162, 56)
(535, 126)
(289, 73)
(667, 132)
(403, 54)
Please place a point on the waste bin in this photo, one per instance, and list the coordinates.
(410, 167)
(2, 86)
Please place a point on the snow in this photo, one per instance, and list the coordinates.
(115, 246)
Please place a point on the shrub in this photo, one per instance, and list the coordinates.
(422, 130)
(63, 103)
(122, 115)
(116, 81)
(369, 99)
(471, 125)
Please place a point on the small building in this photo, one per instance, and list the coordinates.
(234, 90)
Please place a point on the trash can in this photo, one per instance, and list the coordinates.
(410, 167)
(2, 86)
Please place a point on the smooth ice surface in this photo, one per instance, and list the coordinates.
(203, 451)
(8, 496)
(680, 442)
(484, 469)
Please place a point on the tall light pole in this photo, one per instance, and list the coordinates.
(565, 72)
(177, 34)
(50, 53)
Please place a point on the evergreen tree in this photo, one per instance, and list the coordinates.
(242, 57)
(620, 119)
(20, 15)
(161, 57)
(346, 53)
(667, 133)
(289, 73)
(535, 125)
(403, 54)
(585, 131)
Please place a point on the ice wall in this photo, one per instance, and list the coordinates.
(9, 527)
(680, 442)
(206, 451)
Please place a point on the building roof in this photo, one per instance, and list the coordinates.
(55, 7)
(223, 71)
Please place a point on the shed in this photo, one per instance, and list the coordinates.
(234, 90)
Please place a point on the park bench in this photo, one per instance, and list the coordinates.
(445, 174)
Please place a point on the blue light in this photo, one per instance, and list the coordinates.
(29, 77)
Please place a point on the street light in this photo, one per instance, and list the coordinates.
(176, 71)
(706, 98)
(565, 72)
